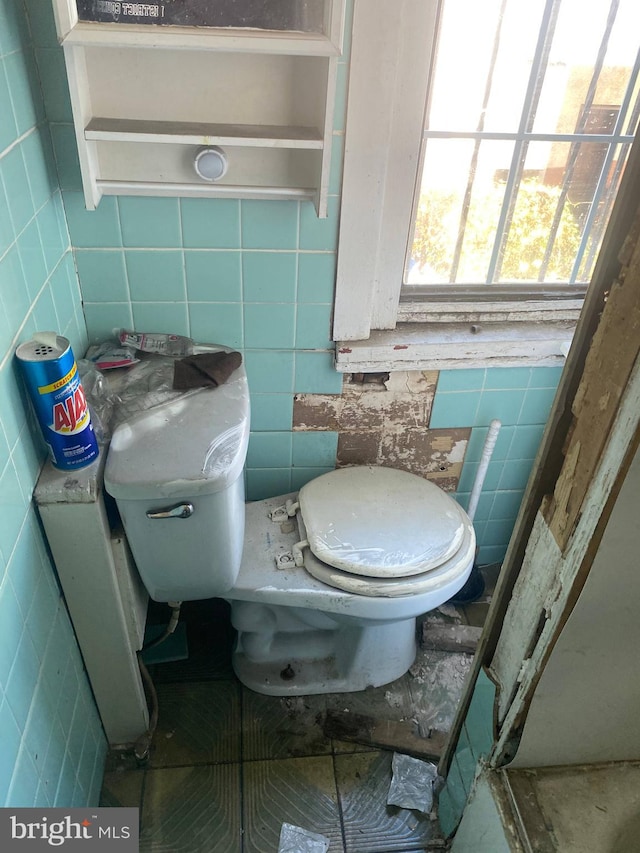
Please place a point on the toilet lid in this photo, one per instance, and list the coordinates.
(456, 567)
(380, 522)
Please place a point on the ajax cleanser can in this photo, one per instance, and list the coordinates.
(52, 379)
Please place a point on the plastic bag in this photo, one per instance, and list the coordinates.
(412, 783)
(294, 839)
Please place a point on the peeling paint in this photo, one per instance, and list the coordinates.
(383, 420)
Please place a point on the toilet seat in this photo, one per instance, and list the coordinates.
(381, 532)
(390, 587)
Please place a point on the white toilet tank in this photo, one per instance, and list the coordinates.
(176, 472)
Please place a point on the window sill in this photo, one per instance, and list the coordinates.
(443, 346)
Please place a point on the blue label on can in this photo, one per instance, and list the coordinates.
(61, 407)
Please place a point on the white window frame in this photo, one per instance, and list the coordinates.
(393, 47)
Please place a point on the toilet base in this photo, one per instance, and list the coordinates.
(291, 657)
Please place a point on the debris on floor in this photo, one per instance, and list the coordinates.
(412, 783)
(383, 734)
(450, 638)
(294, 839)
(412, 715)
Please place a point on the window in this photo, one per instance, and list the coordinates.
(489, 205)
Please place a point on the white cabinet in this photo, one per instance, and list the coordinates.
(147, 97)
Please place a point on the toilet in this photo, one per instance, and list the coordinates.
(324, 585)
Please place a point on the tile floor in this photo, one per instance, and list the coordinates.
(228, 766)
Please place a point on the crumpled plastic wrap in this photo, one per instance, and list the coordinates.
(412, 783)
(294, 839)
(126, 392)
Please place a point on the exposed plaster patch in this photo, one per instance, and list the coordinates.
(383, 420)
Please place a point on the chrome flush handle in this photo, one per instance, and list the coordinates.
(178, 511)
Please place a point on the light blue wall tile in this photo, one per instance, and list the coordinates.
(491, 554)
(155, 276)
(8, 128)
(477, 442)
(507, 377)
(313, 326)
(269, 450)
(269, 276)
(53, 243)
(515, 475)
(271, 412)
(66, 159)
(210, 223)
(269, 326)
(454, 409)
(466, 760)
(452, 800)
(497, 532)
(150, 222)
(536, 406)
(13, 506)
(545, 377)
(492, 478)
(525, 443)
(7, 232)
(319, 234)
(337, 160)
(22, 678)
(314, 449)
(269, 224)
(38, 159)
(461, 380)
(315, 374)
(34, 266)
(503, 405)
(170, 318)
(216, 323)
(479, 720)
(54, 86)
(270, 372)
(103, 276)
(65, 292)
(41, 23)
(485, 504)
(301, 476)
(16, 184)
(14, 29)
(213, 276)
(506, 504)
(103, 318)
(340, 109)
(22, 78)
(11, 626)
(24, 782)
(98, 228)
(316, 277)
(9, 747)
(267, 482)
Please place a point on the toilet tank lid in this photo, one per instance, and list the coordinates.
(194, 444)
(381, 522)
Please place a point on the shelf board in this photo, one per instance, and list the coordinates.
(199, 133)
(148, 188)
(87, 34)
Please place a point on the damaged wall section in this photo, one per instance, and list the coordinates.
(382, 419)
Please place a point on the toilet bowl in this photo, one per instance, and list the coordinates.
(325, 585)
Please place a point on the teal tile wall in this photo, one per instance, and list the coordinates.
(520, 398)
(254, 275)
(51, 743)
(259, 276)
(475, 742)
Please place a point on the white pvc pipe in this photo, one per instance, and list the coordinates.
(487, 453)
